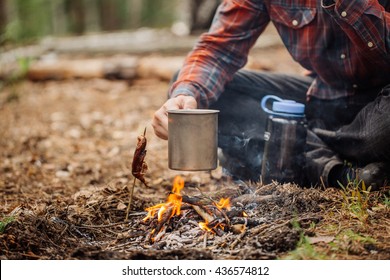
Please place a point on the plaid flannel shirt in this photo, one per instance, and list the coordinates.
(345, 43)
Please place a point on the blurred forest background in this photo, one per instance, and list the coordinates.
(24, 21)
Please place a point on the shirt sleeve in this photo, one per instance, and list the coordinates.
(221, 51)
(365, 22)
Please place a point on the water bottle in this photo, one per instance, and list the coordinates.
(285, 139)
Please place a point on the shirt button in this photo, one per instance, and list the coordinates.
(342, 56)
(370, 44)
(343, 13)
(295, 22)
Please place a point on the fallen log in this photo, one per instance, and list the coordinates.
(159, 67)
(117, 67)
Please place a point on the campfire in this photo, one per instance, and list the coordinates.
(213, 215)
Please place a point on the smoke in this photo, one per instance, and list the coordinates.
(241, 155)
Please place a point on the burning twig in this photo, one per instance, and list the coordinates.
(160, 234)
(138, 167)
(163, 217)
(191, 200)
(224, 203)
(210, 224)
(205, 216)
(165, 211)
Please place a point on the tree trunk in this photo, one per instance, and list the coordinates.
(92, 15)
(58, 17)
(76, 11)
(3, 15)
(108, 15)
(135, 10)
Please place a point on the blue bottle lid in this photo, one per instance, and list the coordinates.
(288, 106)
(283, 107)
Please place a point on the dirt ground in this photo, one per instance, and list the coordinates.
(66, 149)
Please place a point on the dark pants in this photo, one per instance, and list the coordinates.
(356, 129)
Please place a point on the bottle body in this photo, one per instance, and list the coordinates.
(284, 150)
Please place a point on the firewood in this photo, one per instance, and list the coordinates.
(205, 216)
(251, 222)
(191, 200)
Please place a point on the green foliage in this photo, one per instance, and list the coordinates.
(18, 75)
(356, 198)
(386, 200)
(353, 236)
(157, 13)
(348, 239)
(4, 222)
(32, 19)
(21, 72)
(12, 32)
(304, 250)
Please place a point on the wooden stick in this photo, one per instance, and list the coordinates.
(99, 226)
(130, 200)
(205, 216)
(205, 236)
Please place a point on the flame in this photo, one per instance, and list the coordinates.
(173, 202)
(223, 203)
(204, 226)
(172, 207)
(152, 211)
(244, 214)
(178, 185)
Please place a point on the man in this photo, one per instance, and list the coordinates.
(345, 44)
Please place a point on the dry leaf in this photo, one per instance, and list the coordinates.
(318, 239)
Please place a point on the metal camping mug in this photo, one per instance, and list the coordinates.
(192, 139)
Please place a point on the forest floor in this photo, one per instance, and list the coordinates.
(66, 149)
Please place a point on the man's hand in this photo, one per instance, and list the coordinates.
(160, 118)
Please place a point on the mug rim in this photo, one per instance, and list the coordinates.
(192, 111)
